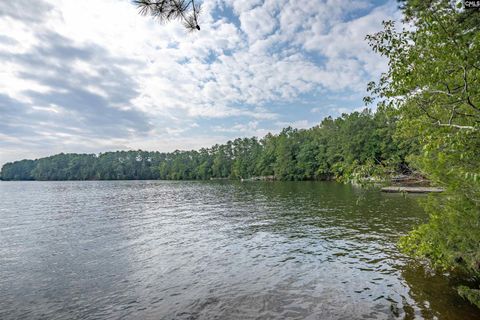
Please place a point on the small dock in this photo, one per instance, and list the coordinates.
(395, 189)
(260, 178)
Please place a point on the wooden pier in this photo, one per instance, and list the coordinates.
(395, 189)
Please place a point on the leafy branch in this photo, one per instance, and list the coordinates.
(167, 10)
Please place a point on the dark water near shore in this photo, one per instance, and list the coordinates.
(212, 250)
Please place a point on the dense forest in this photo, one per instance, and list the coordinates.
(428, 120)
(352, 146)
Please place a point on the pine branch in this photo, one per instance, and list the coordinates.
(167, 10)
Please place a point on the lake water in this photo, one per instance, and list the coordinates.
(212, 250)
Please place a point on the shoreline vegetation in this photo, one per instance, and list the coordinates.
(354, 147)
(427, 123)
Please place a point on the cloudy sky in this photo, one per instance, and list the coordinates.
(94, 76)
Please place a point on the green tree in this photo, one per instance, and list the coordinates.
(266, 159)
(222, 161)
(18, 170)
(433, 85)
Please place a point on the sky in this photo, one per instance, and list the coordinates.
(93, 76)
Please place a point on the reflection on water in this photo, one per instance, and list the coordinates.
(212, 250)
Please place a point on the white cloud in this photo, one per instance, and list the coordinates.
(164, 79)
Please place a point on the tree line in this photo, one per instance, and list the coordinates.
(354, 145)
(428, 119)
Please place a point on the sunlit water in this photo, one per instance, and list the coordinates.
(212, 250)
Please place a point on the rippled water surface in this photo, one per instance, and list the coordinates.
(212, 250)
